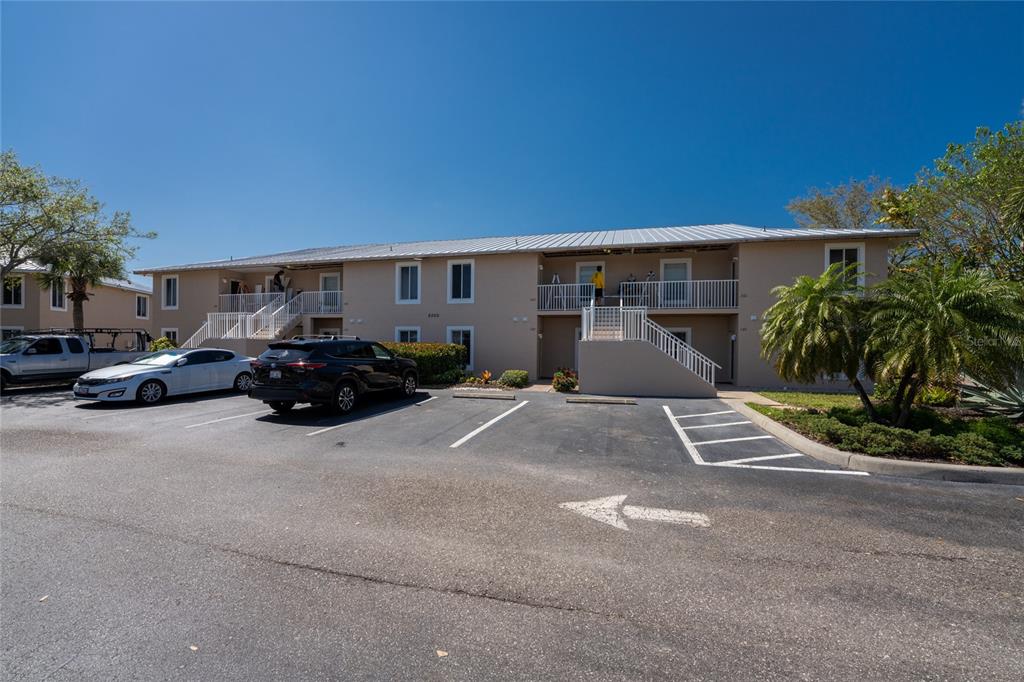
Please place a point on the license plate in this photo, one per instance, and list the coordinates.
(81, 391)
(275, 374)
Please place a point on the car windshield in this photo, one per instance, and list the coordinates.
(164, 358)
(15, 345)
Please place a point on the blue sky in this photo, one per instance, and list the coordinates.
(234, 129)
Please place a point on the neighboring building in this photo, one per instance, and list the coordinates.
(516, 302)
(28, 305)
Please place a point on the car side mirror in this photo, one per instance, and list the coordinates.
(181, 362)
(30, 351)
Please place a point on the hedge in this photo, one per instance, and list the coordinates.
(992, 441)
(438, 363)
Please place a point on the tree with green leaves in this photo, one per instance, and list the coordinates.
(816, 328)
(970, 206)
(84, 265)
(849, 206)
(932, 324)
(55, 222)
(37, 211)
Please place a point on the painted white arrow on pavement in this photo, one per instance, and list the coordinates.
(607, 510)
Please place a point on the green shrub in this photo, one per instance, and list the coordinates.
(434, 361)
(514, 378)
(564, 381)
(163, 343)
(452, 376)
(993, 441)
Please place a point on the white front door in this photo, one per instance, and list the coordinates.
(675, 275)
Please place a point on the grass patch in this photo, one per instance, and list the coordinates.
(819, 401)
(991, 441)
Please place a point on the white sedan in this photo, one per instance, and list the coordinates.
(167, 372)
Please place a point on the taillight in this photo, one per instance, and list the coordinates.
(255, 363)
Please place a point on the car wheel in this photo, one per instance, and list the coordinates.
(281, 406)
(344, 398)
(150, 392)
(243, 382)
(3, 381)
(409, 385)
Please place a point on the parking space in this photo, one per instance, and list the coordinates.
(655, 435)
(714, 435)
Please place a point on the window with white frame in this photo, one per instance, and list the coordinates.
(141, 307)
(170, 333)
(10, 332)
(464, 336)
(58, 300)
(407, 334)
(407, 282)
(460, 281)
(14, 291)
(846, 255)
(169, 292)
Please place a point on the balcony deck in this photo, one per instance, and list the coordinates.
(711, 295)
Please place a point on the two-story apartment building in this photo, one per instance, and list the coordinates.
(518, 302)
(112, 304)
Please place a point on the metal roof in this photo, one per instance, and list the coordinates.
(647, 237)
(31, 267)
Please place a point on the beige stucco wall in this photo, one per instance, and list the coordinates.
(714, 264)
(558, 345)
(107, 307)
(765, 265)
(649, 372)
(505, 288)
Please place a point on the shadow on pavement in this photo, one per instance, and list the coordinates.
(368, 406)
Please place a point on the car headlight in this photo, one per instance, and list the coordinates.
(116, 380)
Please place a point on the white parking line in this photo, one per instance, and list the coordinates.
(687, 443)
(691, 416)
(761, 459)
(731, 440)
(712, 426)
(487, 425)
(844, 472)
(375, 414)
(740, 463)
(224, 419)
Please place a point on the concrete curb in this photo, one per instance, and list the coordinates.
(484, 395)
(935, 471)
(602, 401)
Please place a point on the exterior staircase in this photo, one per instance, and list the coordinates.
(269, 322)
(630, 326)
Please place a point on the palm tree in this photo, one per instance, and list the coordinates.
(816, 328)
(81, 265)
(933, 323)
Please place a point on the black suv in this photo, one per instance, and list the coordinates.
(328, 372)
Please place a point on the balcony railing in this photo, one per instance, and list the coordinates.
(320, 302)
(248, 303)
(694, 293)
(697, 293)
(561, 297)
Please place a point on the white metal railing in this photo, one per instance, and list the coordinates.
(631, 323)
(564, 296)
(694, 293)
(248, 303)
(320, 302)
(196, 340)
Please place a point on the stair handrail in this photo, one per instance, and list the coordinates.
(632, 323)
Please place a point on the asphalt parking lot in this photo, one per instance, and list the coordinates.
(443, 537)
